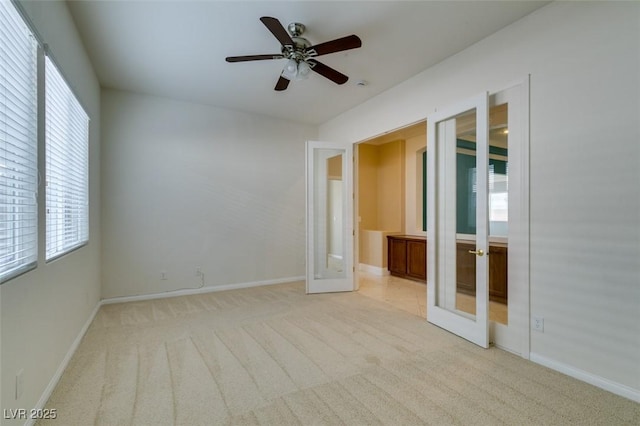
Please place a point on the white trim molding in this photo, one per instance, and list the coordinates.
(592, 379)
(200, 290)
(373, 270)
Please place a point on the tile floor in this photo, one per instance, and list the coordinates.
(411, 296)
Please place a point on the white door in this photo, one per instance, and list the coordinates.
(329, 217)
(457, 226)
(509, 216)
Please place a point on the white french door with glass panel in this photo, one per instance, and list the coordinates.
(329, 217)
(458, 224)
(476, 189)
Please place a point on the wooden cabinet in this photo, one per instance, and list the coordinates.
(466, 271)
(465, 268)
(407, 257)
(498, 274)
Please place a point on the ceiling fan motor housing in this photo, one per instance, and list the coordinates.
(296, 29)
(298, 51)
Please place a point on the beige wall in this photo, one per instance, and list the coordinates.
(367, 186)
(334, 167)
(381, 176)
(384, 196)
(381, 198)
(390, 186)
(414, 147)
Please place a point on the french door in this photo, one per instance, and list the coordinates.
(457, 227)
(329, 168)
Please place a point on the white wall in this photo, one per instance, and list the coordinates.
(187, 186)
(44, 310)
(584, 61)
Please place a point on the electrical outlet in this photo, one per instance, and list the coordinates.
(537, 324)
(163, 275)
(19, 384)
(198, 271)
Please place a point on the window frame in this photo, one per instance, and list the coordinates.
(42, 56)
(73, 214)
(23, 174)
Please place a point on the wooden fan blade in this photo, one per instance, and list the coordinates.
(253, 58)
(277, 30)
(337, 45)
(328, 72)
(282, 84)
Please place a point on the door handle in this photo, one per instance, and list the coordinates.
(477, 252)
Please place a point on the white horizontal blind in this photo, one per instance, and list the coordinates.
(18, 143)
(67, 171)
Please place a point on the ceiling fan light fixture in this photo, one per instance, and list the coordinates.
(290, 70)
(303, 70)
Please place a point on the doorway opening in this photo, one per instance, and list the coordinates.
(389, 212)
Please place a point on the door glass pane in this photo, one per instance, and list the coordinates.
(498, 168)
(498, 212)
(329, 213)
(466, 206)
(457, 223)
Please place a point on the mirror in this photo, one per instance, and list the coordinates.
(330, 213)
(334, 214)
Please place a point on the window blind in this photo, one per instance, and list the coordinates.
(18, 144)
(67, 172)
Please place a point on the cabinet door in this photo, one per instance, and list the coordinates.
(498, 274)
(465, 269)
(417, 259)
(397, 256)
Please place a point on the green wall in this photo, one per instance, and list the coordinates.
(466, 199)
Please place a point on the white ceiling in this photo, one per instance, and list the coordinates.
(177, 49)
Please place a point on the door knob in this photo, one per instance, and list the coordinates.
(477, 252)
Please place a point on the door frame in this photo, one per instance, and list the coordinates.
(519, 225)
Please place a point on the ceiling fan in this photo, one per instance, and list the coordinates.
(300, 53)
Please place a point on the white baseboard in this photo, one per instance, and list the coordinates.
(592, 379)
(373, 270)
(63, 365)
(191, 291)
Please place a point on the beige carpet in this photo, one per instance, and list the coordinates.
(275, 356)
